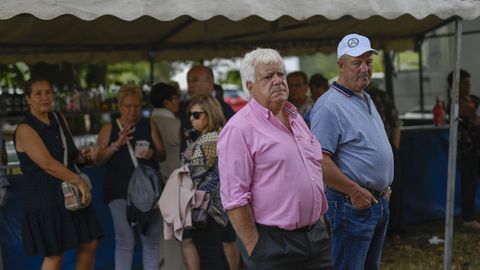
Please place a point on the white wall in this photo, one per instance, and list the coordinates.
(439, 61)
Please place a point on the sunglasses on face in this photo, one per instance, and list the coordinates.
(195, 115)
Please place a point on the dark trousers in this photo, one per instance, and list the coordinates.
(396, 223)
(469, 174)
(209, 246)
(279, 249)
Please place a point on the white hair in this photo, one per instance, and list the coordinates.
(254, 58)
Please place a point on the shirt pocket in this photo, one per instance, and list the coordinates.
(311, 149)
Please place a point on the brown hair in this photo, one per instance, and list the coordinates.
(216, 119)
(29, 83)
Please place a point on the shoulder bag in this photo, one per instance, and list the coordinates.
(71, 194)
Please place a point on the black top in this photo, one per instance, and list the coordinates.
(119, 168)
(48, 228)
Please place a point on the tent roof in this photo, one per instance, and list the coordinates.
(93, 30)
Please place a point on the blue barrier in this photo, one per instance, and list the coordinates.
(424, 161)
(424, 157)
(10, 234)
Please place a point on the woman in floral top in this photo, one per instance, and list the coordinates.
(207, 118)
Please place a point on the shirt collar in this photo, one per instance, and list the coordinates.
(163, 112)
(342, 89)
(260, 109)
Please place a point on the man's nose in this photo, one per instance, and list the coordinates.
(364, 66)
(277, 79)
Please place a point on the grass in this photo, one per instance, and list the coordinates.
(417, 253)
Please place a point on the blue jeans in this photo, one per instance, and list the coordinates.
(357, 234)
(125, 238)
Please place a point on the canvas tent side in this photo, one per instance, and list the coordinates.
(90, 30)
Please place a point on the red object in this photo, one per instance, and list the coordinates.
(438, 113)
(236, 99)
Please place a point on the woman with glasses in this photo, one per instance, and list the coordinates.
(206, 116)
(114, 153)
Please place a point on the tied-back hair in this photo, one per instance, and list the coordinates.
(162, 92)
(129, 90)
(210, 105)
(253, 58)
(29, 83)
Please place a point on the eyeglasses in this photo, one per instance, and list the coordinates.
(195, 115)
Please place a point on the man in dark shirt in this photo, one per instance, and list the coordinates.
(389, 114)
(200, 82)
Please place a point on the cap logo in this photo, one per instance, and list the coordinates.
(353, 42)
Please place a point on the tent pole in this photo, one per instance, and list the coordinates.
(387, 60)
(420, 73)
(452, 150)
(151, 61)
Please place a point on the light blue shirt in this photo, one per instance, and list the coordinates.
(351, 131)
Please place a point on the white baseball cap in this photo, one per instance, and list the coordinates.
(354, 45)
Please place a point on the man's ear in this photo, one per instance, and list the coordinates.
(249, 86)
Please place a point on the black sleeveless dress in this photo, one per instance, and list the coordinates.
(119, 168)
(48, 228)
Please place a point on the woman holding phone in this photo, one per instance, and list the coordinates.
(112, 141)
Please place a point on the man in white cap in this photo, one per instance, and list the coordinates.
(357, 159)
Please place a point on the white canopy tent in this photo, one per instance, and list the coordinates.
(108, 30)
(92, 30)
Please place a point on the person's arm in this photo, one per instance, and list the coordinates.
(244, 225)
(28, 141)
(396, 137)
(107, 150)
(158, 142)
(85, 155)
(334, 177)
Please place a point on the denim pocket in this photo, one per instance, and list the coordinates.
(332, 211)
(358, 210)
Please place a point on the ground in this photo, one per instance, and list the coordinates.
(417, 253)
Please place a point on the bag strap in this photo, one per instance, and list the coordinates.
(64, 142)
(129, 145)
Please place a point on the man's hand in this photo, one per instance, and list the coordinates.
(362, 198)
(251, 243)
(244, 225)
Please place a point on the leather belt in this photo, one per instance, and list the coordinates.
(375, 193)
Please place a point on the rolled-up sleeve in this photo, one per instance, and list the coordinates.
(236, 168)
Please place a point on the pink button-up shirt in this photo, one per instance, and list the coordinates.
(275, 170)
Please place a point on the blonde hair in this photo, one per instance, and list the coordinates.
(210, 105)
(129, 90)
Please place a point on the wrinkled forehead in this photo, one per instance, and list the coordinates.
(262, 68)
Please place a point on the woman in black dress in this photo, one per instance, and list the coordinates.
(48, 228)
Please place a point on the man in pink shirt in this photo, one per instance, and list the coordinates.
(271, 176)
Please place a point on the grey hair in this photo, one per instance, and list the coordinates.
(254, 58)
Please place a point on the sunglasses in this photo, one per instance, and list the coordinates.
(195, 115)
